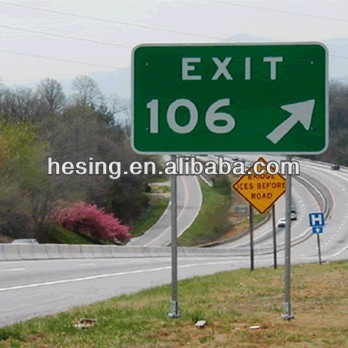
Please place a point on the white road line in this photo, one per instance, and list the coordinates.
(86, 264)
(108, 275)
(198, 210)
(338, 252)
(13, 269)
(183, 210)
(72, 280)
(293, 224)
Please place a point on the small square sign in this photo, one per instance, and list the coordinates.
(316, 219)
(317, 229)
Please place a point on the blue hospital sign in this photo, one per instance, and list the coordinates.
(316, 221)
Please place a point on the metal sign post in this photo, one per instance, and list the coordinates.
(274, 238)
(251, 221)
(319, 248)
(175, 303)
(317, 222)
(287, 314)
(219, 104)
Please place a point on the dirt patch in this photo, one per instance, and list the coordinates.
(5, 239)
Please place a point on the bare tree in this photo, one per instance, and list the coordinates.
(51, 95)
(21, 104)
(86, 91)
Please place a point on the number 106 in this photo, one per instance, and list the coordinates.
(211, 117)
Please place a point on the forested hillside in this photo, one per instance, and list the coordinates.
(337, 151)
(42, 123)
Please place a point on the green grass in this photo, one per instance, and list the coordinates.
(260, 217)
(59, 235)
(160, 189)
(157, 178)
(157, 207)
(230, 302)
(212, 220)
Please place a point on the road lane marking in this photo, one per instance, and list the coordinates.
(338, 252)
(86, 264)
(198, 210)
(108, 275)
(13, 269)
(182, 211)
(269, 231)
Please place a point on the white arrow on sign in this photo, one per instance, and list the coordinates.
(300, 112)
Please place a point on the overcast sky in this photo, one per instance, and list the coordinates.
(32, 30)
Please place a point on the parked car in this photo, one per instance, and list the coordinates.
(24, 241)
(335, 167)
(281, 222)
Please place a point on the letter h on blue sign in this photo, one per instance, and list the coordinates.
(316, 219)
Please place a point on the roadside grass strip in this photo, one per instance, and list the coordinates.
(150, 216)
(241, 309)
(212, 220)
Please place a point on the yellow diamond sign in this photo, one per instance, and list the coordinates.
(261, 191)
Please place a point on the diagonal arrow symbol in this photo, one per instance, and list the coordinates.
(300, 112)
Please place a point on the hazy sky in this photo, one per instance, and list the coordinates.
(51, 28)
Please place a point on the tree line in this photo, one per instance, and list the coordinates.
(337, 151)
(44, 122)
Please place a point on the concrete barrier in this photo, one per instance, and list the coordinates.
(38, 252)
(87, 251)
(52, 251)
(65, 251)
(163, 252)
(105, 251)
(121, 251)
(11, 252)
(2, 254)
(149, 251)
(76, 252)
(96, 250)
(118, 251)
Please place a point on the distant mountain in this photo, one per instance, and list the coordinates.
(115, 82)
(119, 81)
(338, 53)
(338, 59)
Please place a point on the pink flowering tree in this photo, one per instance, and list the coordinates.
(91, 220)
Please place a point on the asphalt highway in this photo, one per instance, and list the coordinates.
(189, 200)
(37, 288)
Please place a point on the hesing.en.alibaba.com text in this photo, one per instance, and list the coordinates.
(184, 165)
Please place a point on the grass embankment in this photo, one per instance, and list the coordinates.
(212, 220)
(158, 202)
(157, 206)
(60, 235)
(231, 302)
(149, 217)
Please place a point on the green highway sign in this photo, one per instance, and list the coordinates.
(230, 98)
